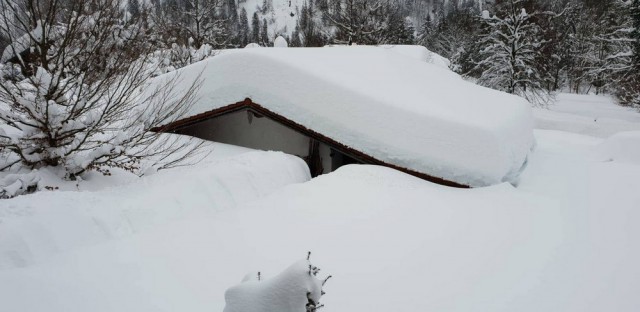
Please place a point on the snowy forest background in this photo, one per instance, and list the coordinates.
(527, 47)
(71, 70)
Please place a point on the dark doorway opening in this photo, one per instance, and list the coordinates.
(339, 159)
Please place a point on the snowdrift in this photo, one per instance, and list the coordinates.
(397, 109)
(565, 240)
(34, 227)
(621, 147)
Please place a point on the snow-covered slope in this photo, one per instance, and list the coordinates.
(587, 114)
(395, 108)
(36, 226)
(281, 17)
(565, 240)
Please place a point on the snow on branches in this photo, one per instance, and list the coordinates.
(72, 100)
(510, 49)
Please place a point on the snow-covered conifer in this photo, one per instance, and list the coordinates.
(264, 34)
(243, 28)
(255, 28)
(358, 21)
(509, 52)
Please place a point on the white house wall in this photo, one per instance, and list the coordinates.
(261, 133)
(325, 154)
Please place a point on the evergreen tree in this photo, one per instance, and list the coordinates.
(628, 90)
(509, 52)
(399, 30)
(255, 28)
(426, 32)
(232, 11)
(454, 35)
(243, 28)
(264, 34)
(634, 11)
(308, 28)
(295, 40)
(359, 21)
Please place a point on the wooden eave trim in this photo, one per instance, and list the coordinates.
(257, 108)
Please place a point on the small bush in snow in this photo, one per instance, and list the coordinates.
(70, 93)
(296, 289)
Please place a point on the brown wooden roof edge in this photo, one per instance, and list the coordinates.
(255, 107)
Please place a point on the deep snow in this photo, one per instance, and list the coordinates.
(565, 239)
(397, 109)
(591, 115)
(34, 227)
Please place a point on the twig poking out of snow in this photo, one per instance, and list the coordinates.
(326, 279)
(296, 289)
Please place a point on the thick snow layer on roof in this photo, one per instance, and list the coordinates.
(394, 108)
(419, 53)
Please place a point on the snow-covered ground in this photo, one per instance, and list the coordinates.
(34, 227)
(565, 239)
(587, 114)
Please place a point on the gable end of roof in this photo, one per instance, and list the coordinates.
(257, 108)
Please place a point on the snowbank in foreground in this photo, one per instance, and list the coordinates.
(33, 227)
(565, 240)
(394, 108)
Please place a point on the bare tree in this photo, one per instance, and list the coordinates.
(70, 91)
(358, 21)
(192, 23)
(188, 31)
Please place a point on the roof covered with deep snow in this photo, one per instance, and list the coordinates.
(391, 106)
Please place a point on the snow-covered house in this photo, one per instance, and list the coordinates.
(370, 105)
